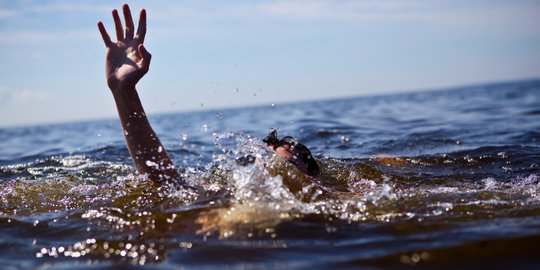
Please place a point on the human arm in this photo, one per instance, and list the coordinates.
(126, 62)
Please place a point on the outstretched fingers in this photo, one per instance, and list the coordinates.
(141, 30)
(130, 28)
(104, 34)
(118, 25)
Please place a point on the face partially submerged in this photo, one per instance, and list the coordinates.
(294, 152)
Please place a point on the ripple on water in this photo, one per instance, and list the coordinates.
(420, 179)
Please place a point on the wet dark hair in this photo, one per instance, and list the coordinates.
(272, 139)
(302, 153)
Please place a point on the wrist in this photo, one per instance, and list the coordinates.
(120, 84)
(122, 89)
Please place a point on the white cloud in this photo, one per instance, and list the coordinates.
(455, 12)
(42, 7)
(195, 18)
(25, 96)
(5, 13)
(173, 17)
(40, 37)
(21, 97)
(295, 9)
(3, 94)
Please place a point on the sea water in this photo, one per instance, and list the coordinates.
(440, 179)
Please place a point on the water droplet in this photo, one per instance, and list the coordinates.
(344, 139)
(415, 258)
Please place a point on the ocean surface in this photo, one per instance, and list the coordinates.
(440, 179)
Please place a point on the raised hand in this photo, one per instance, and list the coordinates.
(127, 60)
(126, 63)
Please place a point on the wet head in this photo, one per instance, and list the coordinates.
(294, 152)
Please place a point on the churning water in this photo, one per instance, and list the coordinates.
(437, 179)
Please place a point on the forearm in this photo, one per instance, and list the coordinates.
(144, 146)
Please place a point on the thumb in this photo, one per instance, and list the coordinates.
(145, 57)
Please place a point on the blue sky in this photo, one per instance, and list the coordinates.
(216, 54)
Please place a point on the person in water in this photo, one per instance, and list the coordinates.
(127, 61)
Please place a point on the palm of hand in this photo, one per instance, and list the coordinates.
(124, 64)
